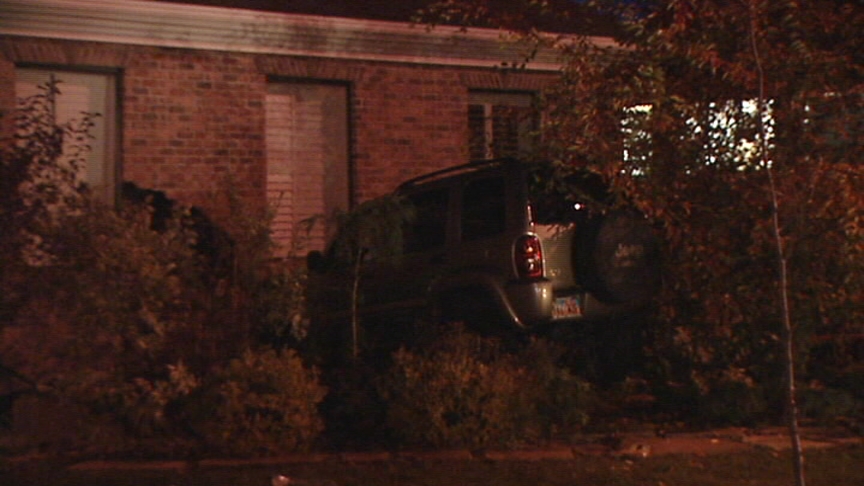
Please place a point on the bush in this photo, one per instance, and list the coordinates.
(464, 391)
(732, 398)
(111, 316)
(829, 406)
(265, 403)
(563, 401)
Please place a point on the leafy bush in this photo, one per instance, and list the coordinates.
(111, 316)
(830, 406)
(354, 409)
(265, 402)
(733, 398)
(88, 293)
(563, 401)
(104, 323)
(464, 391)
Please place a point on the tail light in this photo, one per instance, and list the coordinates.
(528, 257)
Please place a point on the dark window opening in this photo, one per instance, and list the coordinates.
(429, 226)
(484, 211)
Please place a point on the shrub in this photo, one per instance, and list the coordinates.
(354, 409)
(464, 391)
(829, 406)
(563, 401)
(102, 325)
(265, 402)
(732, 397)
(111, 316)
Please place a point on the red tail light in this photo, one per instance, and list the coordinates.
(528, 257)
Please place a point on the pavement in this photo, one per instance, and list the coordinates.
(631, 446)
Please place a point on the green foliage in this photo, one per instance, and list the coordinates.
(266, 403)
(732, 398)
(465, 391)
(691, 160)
(676, 121)
(373, 226)
(269, 292)
(737, 128)
(280, 305)
(454, 398)
(563, 401)
(354, 409)
(38, 174)
(94, 297)
(831, 406)
(372, 230)
(45, 157)
(118, 322)
(103, 323)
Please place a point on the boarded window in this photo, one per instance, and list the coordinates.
(84, 92)
(307, 161)
(501, 124)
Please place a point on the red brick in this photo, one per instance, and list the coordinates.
(191, 117)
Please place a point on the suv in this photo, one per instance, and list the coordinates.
(501, 243)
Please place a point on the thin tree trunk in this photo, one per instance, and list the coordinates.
(788, 330)
(355, 304)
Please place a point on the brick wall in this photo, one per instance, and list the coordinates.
(7, 97)
(407, 121)
(191, 119)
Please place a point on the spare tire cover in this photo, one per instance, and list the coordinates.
(619, 258)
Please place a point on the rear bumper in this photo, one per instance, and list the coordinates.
(534, 305)
(529, 303)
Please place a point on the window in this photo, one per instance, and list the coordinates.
(428, 228)
(307, 160)
(84, 92)
(719, 134)
(501, 124)
(484, 212)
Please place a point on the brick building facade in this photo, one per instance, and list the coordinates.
(321, 112)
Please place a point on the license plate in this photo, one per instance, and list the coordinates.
(566, 307)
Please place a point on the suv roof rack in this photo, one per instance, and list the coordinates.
(470, 166)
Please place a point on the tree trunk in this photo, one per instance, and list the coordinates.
(788, 330)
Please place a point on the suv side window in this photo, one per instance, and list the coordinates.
(429, 226)
(484, 210)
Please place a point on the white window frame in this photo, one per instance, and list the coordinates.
(489, 100)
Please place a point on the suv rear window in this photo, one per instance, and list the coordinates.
(484, 209)
(557, 199)
(428, 229)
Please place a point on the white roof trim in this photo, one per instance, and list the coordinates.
(161, 24)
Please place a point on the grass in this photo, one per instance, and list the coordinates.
(829, 467)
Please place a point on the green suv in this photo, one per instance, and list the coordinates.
(500, 244)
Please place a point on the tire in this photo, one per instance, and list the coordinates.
(618, 258)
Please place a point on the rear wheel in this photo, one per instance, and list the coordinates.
(618, 258)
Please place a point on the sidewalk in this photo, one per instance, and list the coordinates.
(631, 446)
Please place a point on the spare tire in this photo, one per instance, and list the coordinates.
(617, 258)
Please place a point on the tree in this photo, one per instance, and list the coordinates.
(372, 229)
(737, 126)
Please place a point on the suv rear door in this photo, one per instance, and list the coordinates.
(401, 283)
